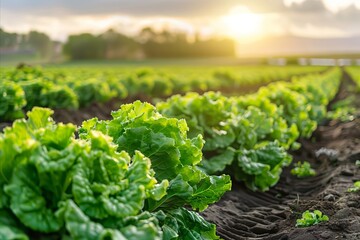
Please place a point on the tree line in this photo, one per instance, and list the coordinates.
(32, 41)
(114, 45)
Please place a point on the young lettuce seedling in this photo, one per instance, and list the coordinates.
(303, 170)
(357, 163)
(356, 187)
(309, 218)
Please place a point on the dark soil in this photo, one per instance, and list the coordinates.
(100, 110)
(243, 214)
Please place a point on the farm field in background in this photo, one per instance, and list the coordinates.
(78, 87)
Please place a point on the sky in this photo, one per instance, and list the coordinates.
(239, 19)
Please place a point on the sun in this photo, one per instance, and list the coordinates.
(241, 23)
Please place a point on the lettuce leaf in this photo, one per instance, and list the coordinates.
(32, 205)
(113, 184)
(260, 168)
(80, 226)
(10, 228)
(184, 224)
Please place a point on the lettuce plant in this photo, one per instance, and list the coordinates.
(309, 218)
(12, 100)
(355, 188)
(303, 169)
(237, 140)
(174, 156)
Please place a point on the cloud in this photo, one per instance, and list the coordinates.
(60, 28)
(63, 17)
(175, 8)
(313, 18)
(345, 21)
(306, 6)
(311, 31)
(339, 5)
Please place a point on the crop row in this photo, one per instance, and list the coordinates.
(26, 87)
(248, 136)
(354, 72)
(131, 177)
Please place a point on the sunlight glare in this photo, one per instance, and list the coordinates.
(242, 23)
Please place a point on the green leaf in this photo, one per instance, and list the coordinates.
(160, 148)
(10, 228)
(111, 184)
(101, 193)
(80, 226)
(15, 145)
(29, 202)
(178, 191)
(260, 168)
(210, 188)
(303, 170)
(183, 224)
(219, 162)
(309, 218)
(356, 187)
(144, 226)
(39, 117)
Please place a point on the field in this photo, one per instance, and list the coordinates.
(208, 152)
(79, 86)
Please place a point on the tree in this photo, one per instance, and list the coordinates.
(118, 45)
(40, 42)
(7, 39)
(85, 46)
(167, 44)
